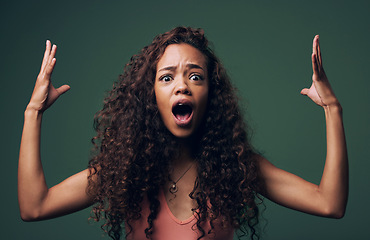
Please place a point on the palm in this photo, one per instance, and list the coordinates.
(312, 93)
(44, 93)
(52, 95)
(320, 91)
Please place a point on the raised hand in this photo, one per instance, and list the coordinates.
(44, 94)
(320, 91)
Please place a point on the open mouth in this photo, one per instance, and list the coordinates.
(182, 111)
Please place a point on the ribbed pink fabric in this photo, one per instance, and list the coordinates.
(168, 227)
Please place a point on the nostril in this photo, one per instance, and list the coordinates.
(183, 91)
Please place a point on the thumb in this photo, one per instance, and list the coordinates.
(63, 89)
(304, 91)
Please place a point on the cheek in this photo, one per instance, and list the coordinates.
(205, 94)
(203, 102)
(157, 95)
(161, 101)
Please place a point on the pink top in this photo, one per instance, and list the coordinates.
(168, 227)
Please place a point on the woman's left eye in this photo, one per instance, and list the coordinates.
(196, 77)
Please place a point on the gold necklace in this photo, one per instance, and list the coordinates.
(173, 188)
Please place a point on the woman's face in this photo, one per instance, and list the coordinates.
(181, 88)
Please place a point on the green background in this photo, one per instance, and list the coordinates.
(266, 48)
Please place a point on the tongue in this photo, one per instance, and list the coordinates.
(182, 116)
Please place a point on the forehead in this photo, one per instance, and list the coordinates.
(181, 54)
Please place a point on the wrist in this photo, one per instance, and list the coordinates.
(335, 107)
(32, 113)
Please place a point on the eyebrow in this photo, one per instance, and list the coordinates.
(189, 65)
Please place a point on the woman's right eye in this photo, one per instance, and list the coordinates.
(166, 78)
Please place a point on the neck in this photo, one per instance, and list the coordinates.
(186, 152)
(183, 169)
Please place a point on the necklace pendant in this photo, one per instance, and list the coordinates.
(173, 188)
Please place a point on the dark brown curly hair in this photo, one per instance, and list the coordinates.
(133, 148)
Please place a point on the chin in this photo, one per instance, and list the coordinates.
(182, 133)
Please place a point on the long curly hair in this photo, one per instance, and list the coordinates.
(133, 148)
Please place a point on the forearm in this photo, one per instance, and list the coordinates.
(32, 187)
(334, 182)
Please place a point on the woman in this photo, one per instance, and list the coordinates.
(173, 157)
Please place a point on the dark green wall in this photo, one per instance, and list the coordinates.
(266, 47)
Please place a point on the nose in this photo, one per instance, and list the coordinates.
(182, 87)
